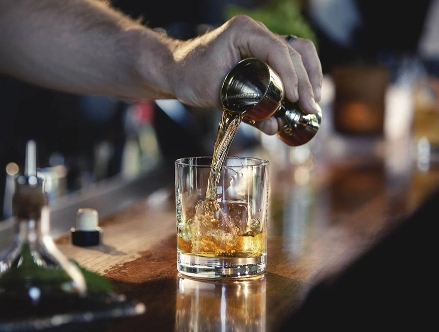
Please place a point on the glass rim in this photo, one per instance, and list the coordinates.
(257, 162)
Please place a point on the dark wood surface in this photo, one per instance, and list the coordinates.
(319, 230)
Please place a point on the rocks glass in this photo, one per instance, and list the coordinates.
(223, 237)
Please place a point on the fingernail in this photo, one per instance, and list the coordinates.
(296, 93)
(268, 126)
(313, 105)
(317, 93)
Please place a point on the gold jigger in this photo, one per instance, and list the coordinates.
(251, 87)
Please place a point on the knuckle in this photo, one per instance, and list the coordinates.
(241, 20)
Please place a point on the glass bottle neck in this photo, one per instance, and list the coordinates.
(27, 230)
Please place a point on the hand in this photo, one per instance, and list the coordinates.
(203, 63)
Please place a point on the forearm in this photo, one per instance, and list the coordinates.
(82, 46)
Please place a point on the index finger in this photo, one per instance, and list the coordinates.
(310, 60)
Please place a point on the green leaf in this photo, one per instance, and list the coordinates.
(19, 279)
(283, 17)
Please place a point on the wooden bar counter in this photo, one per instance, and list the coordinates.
(331, 225)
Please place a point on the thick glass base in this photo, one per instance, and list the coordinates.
(220, 267)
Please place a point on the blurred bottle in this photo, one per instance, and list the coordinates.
(426, 120)
(35, 276)
(141, 152)
(359, 102)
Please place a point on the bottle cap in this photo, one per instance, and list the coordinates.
(87, 233)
